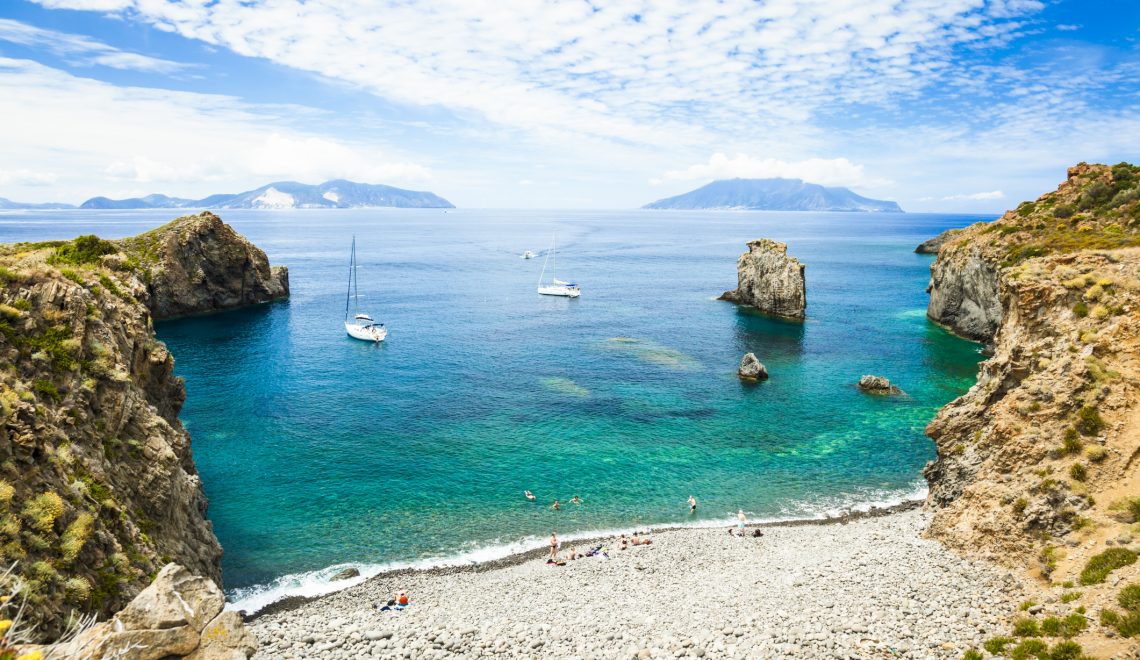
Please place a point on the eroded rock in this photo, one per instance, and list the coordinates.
(751, 369)
(877, 385)
(769, 280)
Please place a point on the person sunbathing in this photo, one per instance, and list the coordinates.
(573, 554)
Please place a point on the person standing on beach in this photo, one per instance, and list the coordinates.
(553, 547)
(740, 520)
(692, 504)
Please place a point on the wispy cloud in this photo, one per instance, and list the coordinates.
(176, 140)
(1067, 27)
(978, 196)
(79, 50)
(651, 72)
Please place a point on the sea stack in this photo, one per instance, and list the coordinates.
(877, 385)
(751, 369)
(769, 280)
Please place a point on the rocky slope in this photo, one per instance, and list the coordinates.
(1037, 462)
(98, 487)
(769, 280)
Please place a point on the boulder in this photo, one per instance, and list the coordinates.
(178, 616)
(751, 368)
(770, 281)
(877, 385)
(346, 574)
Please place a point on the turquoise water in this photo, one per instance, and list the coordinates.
(317, 450)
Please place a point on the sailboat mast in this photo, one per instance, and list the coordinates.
(554, 258)
(355, 282)
(351, 271)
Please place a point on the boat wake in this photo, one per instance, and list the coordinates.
(311, 584)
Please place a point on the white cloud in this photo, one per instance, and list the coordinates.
(828, 172)
(1065, 27)
(128, 140)
(676, 75)
(24, 177)
(79, 50)
(978, 196)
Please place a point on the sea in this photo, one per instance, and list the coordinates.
(319, 452)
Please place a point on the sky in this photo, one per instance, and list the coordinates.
(941, 105)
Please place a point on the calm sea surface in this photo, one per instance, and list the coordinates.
(317, 450)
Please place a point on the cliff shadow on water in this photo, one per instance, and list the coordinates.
(765, 334)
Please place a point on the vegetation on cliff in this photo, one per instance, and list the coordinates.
(1037, 463)
(98, 488)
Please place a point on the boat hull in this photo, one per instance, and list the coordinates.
(563, 291)
(372, 333)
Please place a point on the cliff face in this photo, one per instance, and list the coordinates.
(964, 294)
(198, 264)
(769, 280)
(933, 245)
(1037, 461)
(98, 487)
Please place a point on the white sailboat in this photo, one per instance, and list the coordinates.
(361, 326)
(556, 287)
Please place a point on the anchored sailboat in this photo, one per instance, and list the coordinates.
(361, 326)
(556, 287)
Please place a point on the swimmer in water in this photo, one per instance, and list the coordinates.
(529, 495)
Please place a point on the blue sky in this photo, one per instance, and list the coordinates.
(950, 105)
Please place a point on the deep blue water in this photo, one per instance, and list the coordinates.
(318, 450)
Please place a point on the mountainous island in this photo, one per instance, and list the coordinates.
(335, 194)
(772, 195)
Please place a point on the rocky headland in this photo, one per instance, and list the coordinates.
(770, 281)
(933, 245)
(98, 488)
(1037, 464)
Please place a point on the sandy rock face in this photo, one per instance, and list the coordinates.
(769, 280)
(200, 264)
(178, 615)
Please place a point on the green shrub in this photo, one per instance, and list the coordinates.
(1096, 454)
(1026, 628)
(1070, 596)
(1127, 624)
(1051, 627)
(1025, 605)
(996, 646)
(46, 388)
(1129, 598)
(7, 491)
(1071, 444)
(1081, 310)
(22, 304)
(73, 276)
(77, 590)
(88, 249)
(1089, 421)
(972, 654)
(42, 511)
(1019, 505)
(1072, 625)
(1063, 211)
(1066, 651)
(1099, 566)
(1078, 472)
(76, 536)
(1030, 648)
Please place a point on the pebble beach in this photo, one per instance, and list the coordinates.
(866, 588)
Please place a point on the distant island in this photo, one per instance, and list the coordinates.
(336, 194)
(772, 195)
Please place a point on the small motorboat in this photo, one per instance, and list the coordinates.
(528, 255)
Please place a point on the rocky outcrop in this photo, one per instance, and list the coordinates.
(98, 488)
(877, 385)
(769, 280)
(964, 294)
(751, 369)
(931, 246)
(178, 616)
(198, 264)
(1040, 446)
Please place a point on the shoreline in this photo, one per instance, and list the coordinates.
(292, 603)
(866, 585)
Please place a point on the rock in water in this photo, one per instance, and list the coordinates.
(769, 280)
(751, 368)
(932, 245)
(197, 264)
(346, 574)
(877, 385)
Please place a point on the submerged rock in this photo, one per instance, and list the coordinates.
(877, 385)
(751, 368)
(769, 280)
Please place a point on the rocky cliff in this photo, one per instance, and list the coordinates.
(1038, 461)
(98, 487)
(933, 245)
(769, 280)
